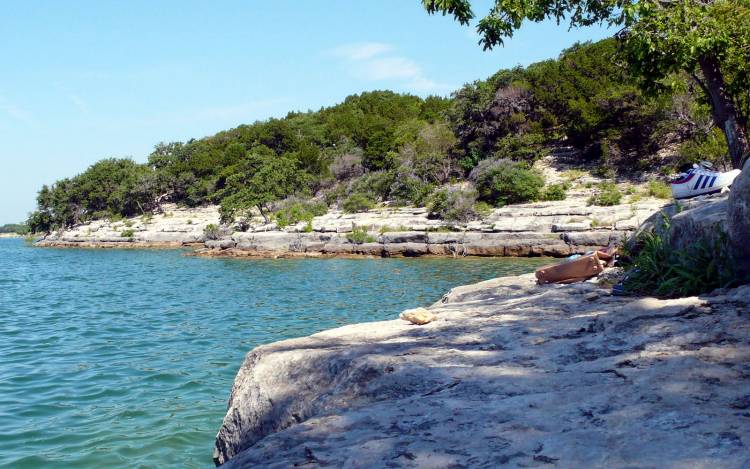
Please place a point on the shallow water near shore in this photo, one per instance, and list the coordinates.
(126, 358)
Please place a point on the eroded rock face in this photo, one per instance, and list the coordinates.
(174, 227)
(739, 220)
(510, 373)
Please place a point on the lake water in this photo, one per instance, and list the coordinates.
(125, 358)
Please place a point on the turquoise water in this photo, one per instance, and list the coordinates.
(126, 358)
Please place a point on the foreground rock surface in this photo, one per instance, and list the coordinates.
(511, 374)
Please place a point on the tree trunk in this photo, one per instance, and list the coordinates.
(724, 111)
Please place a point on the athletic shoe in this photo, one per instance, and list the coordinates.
(701, 180)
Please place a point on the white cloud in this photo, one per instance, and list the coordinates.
(373, 61)
(15, 112)
(247, 110)
(361, 50)
(79, 103)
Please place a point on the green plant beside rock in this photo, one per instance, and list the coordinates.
(212, 232)
(659, 189)
(299, 211)
(357, 202)
(660, 270)
(502, 182)
(554, 192)
(360, 235)
(607, 195)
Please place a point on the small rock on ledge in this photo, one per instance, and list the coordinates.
(418, 316)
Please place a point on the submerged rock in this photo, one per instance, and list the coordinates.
(514, 374)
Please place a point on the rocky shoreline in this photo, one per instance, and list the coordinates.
(556, 229)
(511, 373)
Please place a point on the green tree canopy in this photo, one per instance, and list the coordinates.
(706, 38)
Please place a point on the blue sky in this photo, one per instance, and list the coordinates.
(84, 80)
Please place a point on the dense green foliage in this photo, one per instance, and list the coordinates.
(660, 270)
(14, 228)
(454, 204)
(708, 40)
(360, 235)
(606, 195)
(502, 182)
(554, 192)
(383, 146)
(295, 211)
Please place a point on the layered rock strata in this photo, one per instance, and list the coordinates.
(536, 229)
(173, 227)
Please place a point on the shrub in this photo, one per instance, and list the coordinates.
(606, 196)
(483, 209)
(707, 147)
(212, 231)
(297, 211)
(190, 221)
(523, 147)
(333, 195)
(410, 189)
(347, 166)
(127, 234)
(658, 269)
(502, 182)
(554, 192)
(453, 204)
(659, 189)
(357, 202)
(376, 185)
(359, 236)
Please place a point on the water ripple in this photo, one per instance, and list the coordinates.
(125, 359)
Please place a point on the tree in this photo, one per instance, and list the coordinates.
(258, 181)
(708, 39)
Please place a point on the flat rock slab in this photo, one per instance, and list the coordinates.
(510, 374)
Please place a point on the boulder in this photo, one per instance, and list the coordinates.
(738, 218)
(705, 222)
(418, 316)
(224, 243)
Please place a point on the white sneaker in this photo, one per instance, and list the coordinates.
(701, 181)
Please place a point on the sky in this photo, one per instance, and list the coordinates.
(85, 80)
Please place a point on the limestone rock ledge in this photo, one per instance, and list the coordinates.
(556, 228)
(510, 374)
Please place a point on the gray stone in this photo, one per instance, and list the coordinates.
(560, 227)
(739, 220)
(403, 237)
(225, 243)
(405, 249)
(593, 238)
(510, 374)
